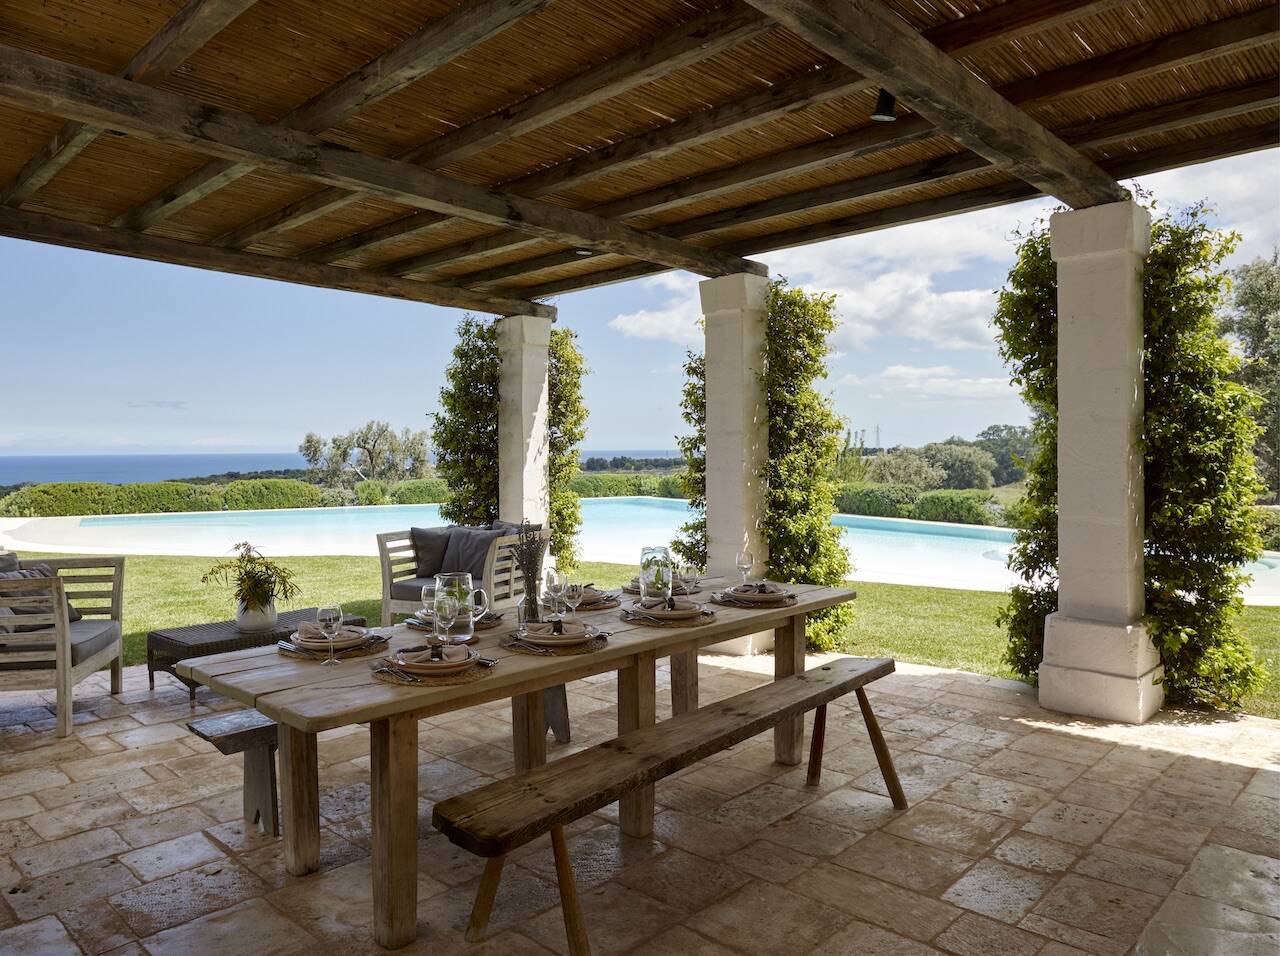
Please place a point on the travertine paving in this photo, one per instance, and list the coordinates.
(1029, 833)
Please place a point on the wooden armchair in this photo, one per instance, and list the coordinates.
(61, 653)
(402, 588)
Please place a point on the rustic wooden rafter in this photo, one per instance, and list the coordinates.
(185, 33)
(44, 85)
(440, 41)
(23, 224)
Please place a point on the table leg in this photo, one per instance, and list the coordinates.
(300, 793)
(684, 683)
(528, 730)
(788, 659)
(637, 708)
(393, 748)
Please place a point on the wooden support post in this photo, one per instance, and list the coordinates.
(684, 682)
(788, 659)
(637, 708)
(393, 747)
(528, 731)
(300, 784)
(575, 927)
(816, 744)
(555, 703)
(117, 674)
(883, 757)
(485, 896)
(259, 792)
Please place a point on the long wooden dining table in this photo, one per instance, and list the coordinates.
(305, 698)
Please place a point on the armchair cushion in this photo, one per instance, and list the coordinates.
(410, 589)
(511, 527)
(88, 637)
(429, 545)
(468, 550)
(8, 561)
(36, 571)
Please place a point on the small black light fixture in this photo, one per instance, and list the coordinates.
(583, 252)
(883, 113)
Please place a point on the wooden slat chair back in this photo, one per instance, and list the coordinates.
(95, 586)
(498, 818)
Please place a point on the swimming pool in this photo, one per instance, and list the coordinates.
(891, 550)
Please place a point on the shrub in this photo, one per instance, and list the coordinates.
(63, 498)
(670, 486)
(1017, 514)
(419, 491)
(337, 497)
(963, 466)
(876, 500)
(267, 493)
(162, 496)
(566, 427)
(970, 506)
(1270, 528)
(371, 492)
(902, 466)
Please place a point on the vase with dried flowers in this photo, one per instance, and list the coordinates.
(529, 550)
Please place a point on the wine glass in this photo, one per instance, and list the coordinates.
(745, 561)
(329, 620)
(555, 588)
(446, 612)
(428, 599)
(573, 595)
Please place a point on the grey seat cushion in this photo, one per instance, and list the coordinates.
(35, 572)
(429, 545)
(88, 637)
(409, 589)
(468, 549)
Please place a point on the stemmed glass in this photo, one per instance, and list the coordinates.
(573, 595)
(329, 620)
(555, 588)
(446, 612)
(428, 598)
(745, 561)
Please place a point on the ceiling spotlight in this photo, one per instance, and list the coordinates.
(583, 252)
(883, 112)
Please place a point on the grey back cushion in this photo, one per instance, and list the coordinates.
(8, 561)
(467, 551)
(429, 545)
(511, 527)
(35, 572)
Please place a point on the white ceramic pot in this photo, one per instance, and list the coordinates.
(256, 619)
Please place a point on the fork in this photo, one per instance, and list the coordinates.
(386, 667)
(534, 648)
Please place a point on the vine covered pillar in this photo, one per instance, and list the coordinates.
(523, 343)
(1098, 659)
(733, 309)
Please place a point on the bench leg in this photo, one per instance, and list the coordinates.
(684, 683)
(66, 698)
(117, 673)
(528, 731)
(788, 659)
(261, 805)
(883, 757)
(555, 705)
(637, 707)
(816, 745)
(300, 784)
(484, 899)
(575, 927)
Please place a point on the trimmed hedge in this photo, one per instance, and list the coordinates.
(371, 492)
(1270, 528)
(970, 506)
(596, 485)
(63, 498)
(877, 500)
(271, 493)
(419, 491)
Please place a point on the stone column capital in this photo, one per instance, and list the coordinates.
(517, 330)
(739, 291)
(1118, 227)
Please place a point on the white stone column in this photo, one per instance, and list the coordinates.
(733, 307)
(1098, 659)
(523, 342)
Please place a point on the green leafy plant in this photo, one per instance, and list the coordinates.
(967, 506)
(691, 543)
(255, 494)
(905, 466)
(566, 427)
(877, 500)
(1197, 444)
(1254, 323)
(257, 581)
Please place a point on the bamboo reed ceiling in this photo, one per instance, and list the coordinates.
(640, 134)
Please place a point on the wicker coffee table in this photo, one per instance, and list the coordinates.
(166, 647)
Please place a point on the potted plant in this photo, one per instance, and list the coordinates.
(258, 584)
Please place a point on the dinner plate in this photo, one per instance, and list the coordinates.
(341, 644)
(755, 597)
(682, 611)
(436, 667)
(561, 640)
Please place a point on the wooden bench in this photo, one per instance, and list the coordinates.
(248, 732)
(493, 820)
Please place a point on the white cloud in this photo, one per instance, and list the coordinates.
(904, 303)
(675, 320)
(933, 383)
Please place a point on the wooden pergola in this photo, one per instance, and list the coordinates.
(489, 153)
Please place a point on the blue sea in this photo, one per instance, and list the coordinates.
(120, 469)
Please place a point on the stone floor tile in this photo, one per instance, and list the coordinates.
(1054, 948)
(617, 919)
(171, 856)
(917, 725)
(185, 896)
(1193, 926)
(17, 834)
(97, 927)
(1138, 870)
(59, 796)
(954, 748)
(974, 935)
(1006, 798)
(485, 758)
(140, 831)
(1032, 852)
(144, 735)
(183, 790)
(1071, 823)
(1213, 788)
(771, 862)
(67, 852)
(1088, 792)
(508, 943)
(681, 880)
(728, 780)
(811, 836)
(599, 854)
(859, 937)
(1246, 881)
(1075, 939)
(762, 805)
(920, 775)
(251, 928)
(106, 765)
(914, 865)
(1062, 746)
(30, 781)
(67, 889)
(852, 809)
(101, 811)
(1179, 808)
(998, 890)
(1144, 833)
(1032, 769)
(681, 795)
(951, 828)
(15, 808)
(41, 937)
(764, 920)
(1105, 909)
(697, 835)
(864, 897)
(681, 941)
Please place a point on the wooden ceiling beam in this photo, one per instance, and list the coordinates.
(43, 85)
(23, 224)
(985, 29)
(440, 41)
(694, 41)
(867, 36)
(185, 33)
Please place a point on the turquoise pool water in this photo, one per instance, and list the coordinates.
(614, 529)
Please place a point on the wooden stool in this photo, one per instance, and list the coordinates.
(249, 733)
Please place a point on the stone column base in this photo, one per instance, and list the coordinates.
(1101, 670)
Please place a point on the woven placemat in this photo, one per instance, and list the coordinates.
(587, 647)
(675, 592)
(720, 599)
(698, 621)
(349, 654)
(607, 604)
(469, 676)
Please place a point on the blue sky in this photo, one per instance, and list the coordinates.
(129, 356)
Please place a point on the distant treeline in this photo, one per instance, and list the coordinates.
(300, 474)
(627, 463)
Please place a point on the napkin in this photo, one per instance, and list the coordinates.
(452, 653)
(763, 587)
(547, 629)
(310, 631)
(652, 604)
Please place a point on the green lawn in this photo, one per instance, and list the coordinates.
(924, 625)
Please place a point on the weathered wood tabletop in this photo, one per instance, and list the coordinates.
(306, 698)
